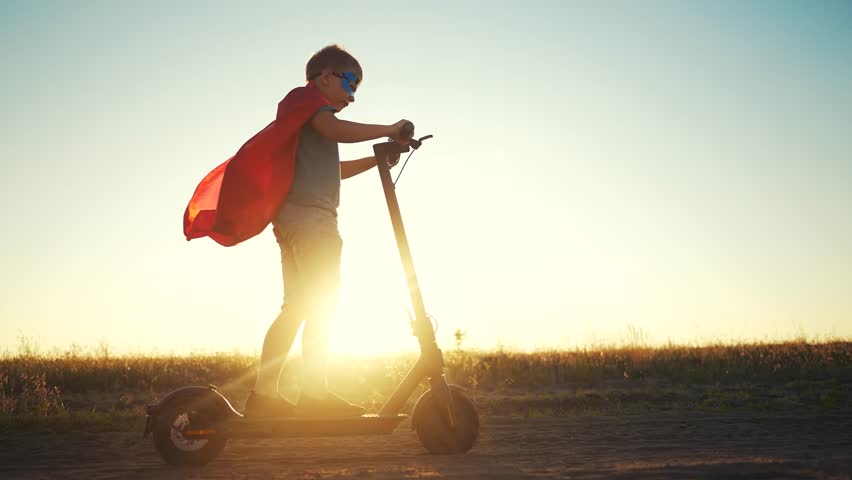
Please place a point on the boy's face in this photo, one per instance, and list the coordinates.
(338, 87)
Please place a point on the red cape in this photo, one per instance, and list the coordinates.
(239, 198)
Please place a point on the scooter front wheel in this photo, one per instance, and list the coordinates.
(434, 430)
(186, 437)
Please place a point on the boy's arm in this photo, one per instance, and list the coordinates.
(343, 131)
(354, 167)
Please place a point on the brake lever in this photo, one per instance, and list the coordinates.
(415, 144)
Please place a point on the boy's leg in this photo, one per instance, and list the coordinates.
(281, 334)
(317, 257)
(316, 340)
(311, 249)
(276, 345)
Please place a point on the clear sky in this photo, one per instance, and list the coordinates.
(681, 167)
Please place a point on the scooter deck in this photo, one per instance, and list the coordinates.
(370, 424)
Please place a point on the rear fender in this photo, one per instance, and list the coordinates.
(203, 399)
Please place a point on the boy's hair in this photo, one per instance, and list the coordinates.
(335, 58)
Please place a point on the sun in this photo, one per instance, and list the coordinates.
(364, 327)
(374, 308)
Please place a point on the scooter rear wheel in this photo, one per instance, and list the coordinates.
(171, 436)
(432, 428)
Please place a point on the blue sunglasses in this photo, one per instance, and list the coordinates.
(349, 81)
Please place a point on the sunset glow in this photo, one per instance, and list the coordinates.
(679, 168)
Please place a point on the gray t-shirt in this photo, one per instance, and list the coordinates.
(317, 179)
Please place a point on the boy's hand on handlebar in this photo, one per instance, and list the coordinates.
(393, 160)
(396, 133)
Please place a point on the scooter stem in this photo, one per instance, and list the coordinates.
(431, 362)
(422, 325)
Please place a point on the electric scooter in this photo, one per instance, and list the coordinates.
(191, 425)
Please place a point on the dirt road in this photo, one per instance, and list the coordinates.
(653, 446)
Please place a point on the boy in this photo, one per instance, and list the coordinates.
(306, 230)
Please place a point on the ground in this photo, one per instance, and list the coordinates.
(659, 445)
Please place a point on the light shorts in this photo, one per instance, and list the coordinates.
(311, 247)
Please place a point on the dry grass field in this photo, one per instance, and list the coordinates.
(92, 387)
(768, 394)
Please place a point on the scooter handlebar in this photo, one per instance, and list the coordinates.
(407, 131)
(391, 147)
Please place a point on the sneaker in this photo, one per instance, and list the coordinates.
(258, 405)
(330, 406)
